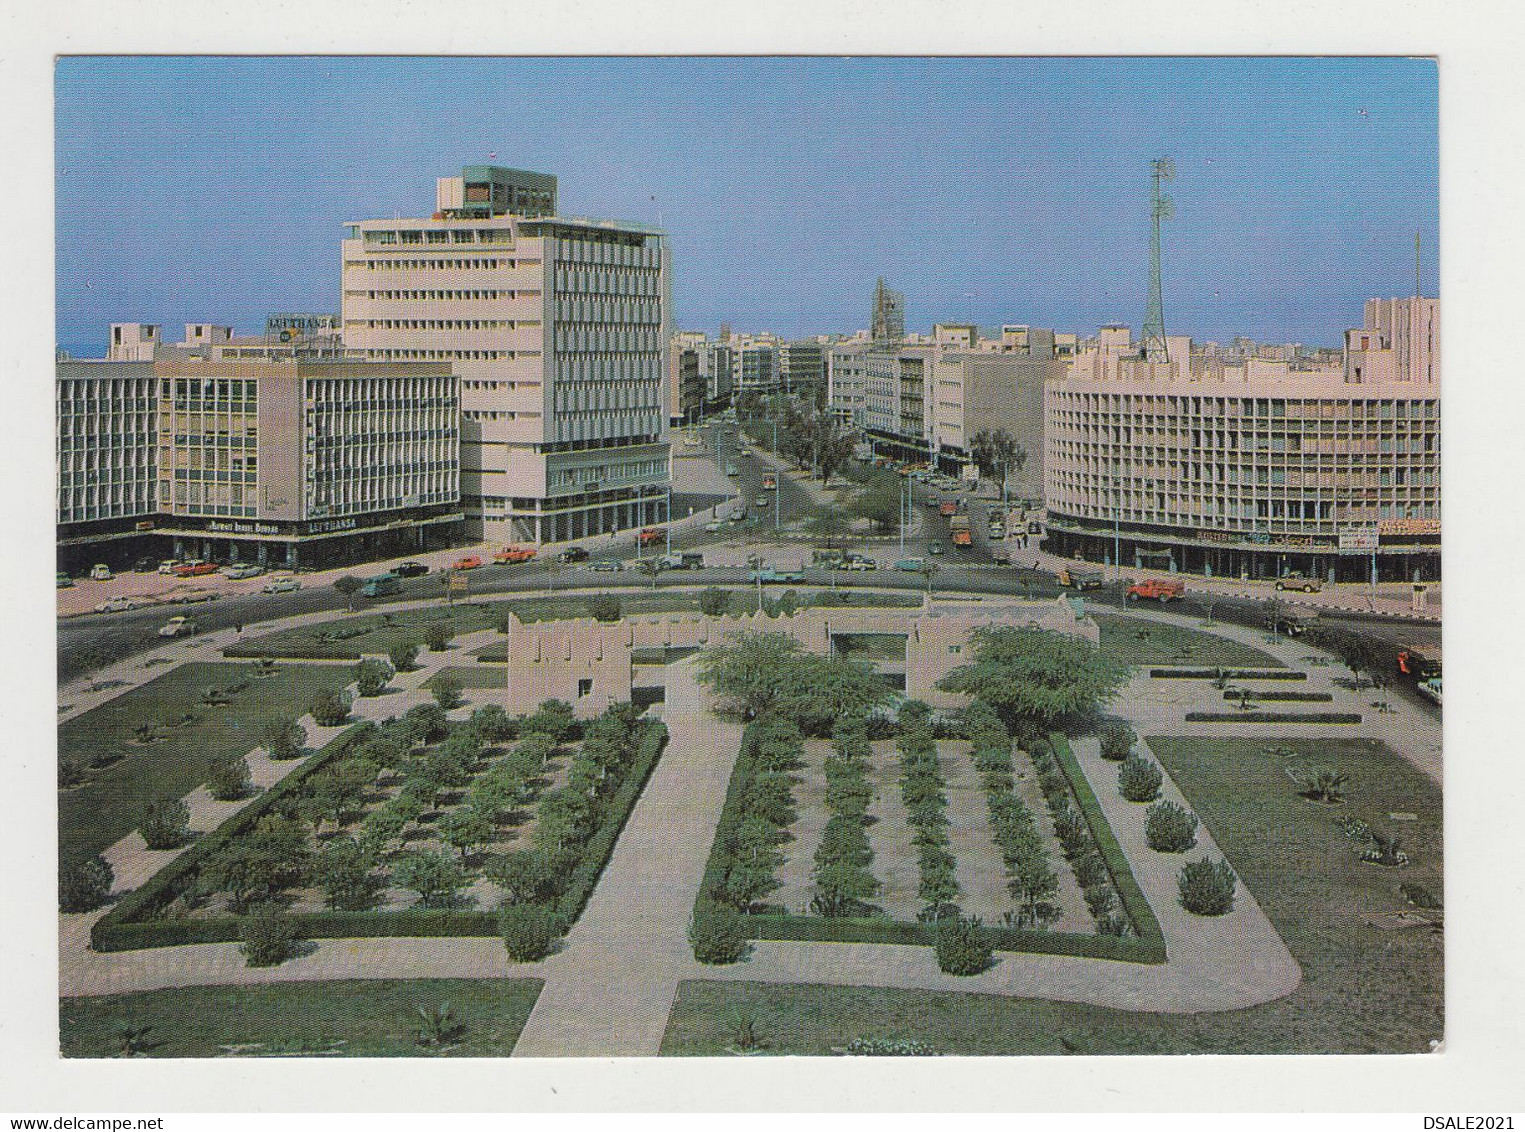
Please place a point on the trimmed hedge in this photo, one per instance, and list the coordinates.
(1135, 906)
(1273, 717)
(1294, 697)
(1231, 673)
(170, 881)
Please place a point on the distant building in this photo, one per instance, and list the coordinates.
(887, 324)
(686, 383)
(802, 369)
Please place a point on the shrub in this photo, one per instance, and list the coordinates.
(437, 636)
(436, 877)
(84, 886)
(330, 708)
(166, 824)
(1170, 829)
(604, 608)
(717, 934)
(1100, 899)
(230, 779)
(963, 946)
(529, 931)
(714, 602)
(71, 770)
(372, 676)
(447, 691)
(1207, 887)
(403, 655)
(1139, 779)
(284, 740)
(266, 936)
(346, 872)
(1117, 740)
(1089, 870)
(426, 723)
(554, 718)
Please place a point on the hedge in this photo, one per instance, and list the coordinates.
(1273, 717)
(1135, 906)
(1275, 695)
(309, 925)
(108, 933)
(1231, 673)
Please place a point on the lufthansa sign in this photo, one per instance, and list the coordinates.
(289, 326)
(1409, 526)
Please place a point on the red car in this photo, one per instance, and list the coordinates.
(195, 569)
(651, 535)
(510, 554)
(1156, 589)
(470, 562)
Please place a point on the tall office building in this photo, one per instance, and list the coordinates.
(558, 328)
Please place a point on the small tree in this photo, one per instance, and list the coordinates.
(717, 934)
(436, 877)
(372, 676)
(1207, 887)
(381, 828)
(529, 931)
(284, 739)
(348, 585)
(330, 707)
(230, 779)
(604, 608)
(492, 724)
(714, 602)
(963, 946)
(166, 824)
(1117, 740)
(1324, 785)
(447, 691)
(524, 875)
(267, 935)
(256, 865)
(1170, 829)
(426, 723)
(554, 718)
(346, 872)
(85, 886)
(437, 636)
(1139, 779)
(403, 655)
(466, 830)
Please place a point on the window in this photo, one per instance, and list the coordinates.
(584, 686)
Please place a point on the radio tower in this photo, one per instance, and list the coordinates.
(1155, 349)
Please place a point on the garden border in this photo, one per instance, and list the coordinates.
(1273, 717)
(1231, 673)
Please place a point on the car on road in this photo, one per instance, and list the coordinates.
(178, 627)
(382, 585)
(767, 574)
(512, 554)
(242, 570)
(169, 565)
(195, 569)
(1078, 578)
(1161, 590)
(712, 527)
(1296, 580)
(410, 569)
(935, 548)
(650, 535)
(118, 604)
(573, 554)
(64, 581)
(760, 502)
(195, 597)
(606, 566)
(911, 565)
(470, 562)
(100, 572)
(859, 562)
(281, 586)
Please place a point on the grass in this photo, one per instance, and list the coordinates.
(349, 1018)
(1364, 989)
(1172, 644)
(469, 677)
(108, 806)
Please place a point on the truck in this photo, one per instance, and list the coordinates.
(686, 561)
(947, 508)
(959, 525)
(1295, 620)
(769, 482)
(1161, 590)
(1080, 578)
(767, 574)
(650, 535)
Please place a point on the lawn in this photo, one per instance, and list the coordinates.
(108, 806)
(470, 677)
(1172, 644)
(348, 1018)
(1366, 988)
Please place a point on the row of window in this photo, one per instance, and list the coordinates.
(453, 296)
(476, 263)
(1334, 407)
(436, 236)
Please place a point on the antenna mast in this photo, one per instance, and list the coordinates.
(1417, 293)
(1155, 349)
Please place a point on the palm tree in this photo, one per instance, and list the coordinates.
(1326, 786)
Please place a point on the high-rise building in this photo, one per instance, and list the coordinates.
(558, 329)
(888, 321)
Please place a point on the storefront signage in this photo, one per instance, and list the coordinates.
(243, 528)
(1358, 540)
(331, 525)
(1217, 536)
(1409, 526)
(285, 327)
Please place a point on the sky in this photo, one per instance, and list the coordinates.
(987, 190)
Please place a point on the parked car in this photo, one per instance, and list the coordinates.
(1079, 578)
(242, 570)
(732, 470)
(382, 585)
(169, 565)
(606, 566)
(1161, 590)
(282, 586)
(1296, 580)
(760, 502)
(178, 627)
(64, 581)
(100, 572)
(118, 604)
(650, 535)
(935, 548)
(573, 554)
(911, 565)
(859, 562)
(512, 554)
(410, 570)
(195, 569)
(470, 562)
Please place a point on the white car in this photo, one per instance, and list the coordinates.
(242, 570)
(100, 572)
(281, 586)
(192, 597)
(117, 604)
(178, 627)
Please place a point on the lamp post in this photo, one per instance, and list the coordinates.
(1117, 538)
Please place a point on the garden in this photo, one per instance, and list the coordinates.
(1142, 641)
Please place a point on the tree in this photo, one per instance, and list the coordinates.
(447, 691)
(841, 888)
(437, 877)
(880, 503)
(829, 524)
(437, 636)
(996, 453)
(166, 824)
(330, 707)
(426, 723)
(714, 602)
(717, 933)
(372, 676)
(267, 936)
(403, 655)
(554, 718)
(754, 672)
(257, 865)
(85, 886)
(346, 872)
(525, 875)
(284, 739)
(230, 779)
(491, 723)
(466, 830)
(604, 608)
(382, 827)
(348, 585)
(338, 795)
(1036, 675)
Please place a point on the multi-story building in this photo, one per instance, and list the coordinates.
(558, 330)
(275, 461)
(802, 369)
(686, 384)
(1251, 469)
(845, 377)
(754, 364)
(897, 419)
(715, 364)
(993, 392)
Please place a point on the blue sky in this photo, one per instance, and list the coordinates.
(988, 190)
